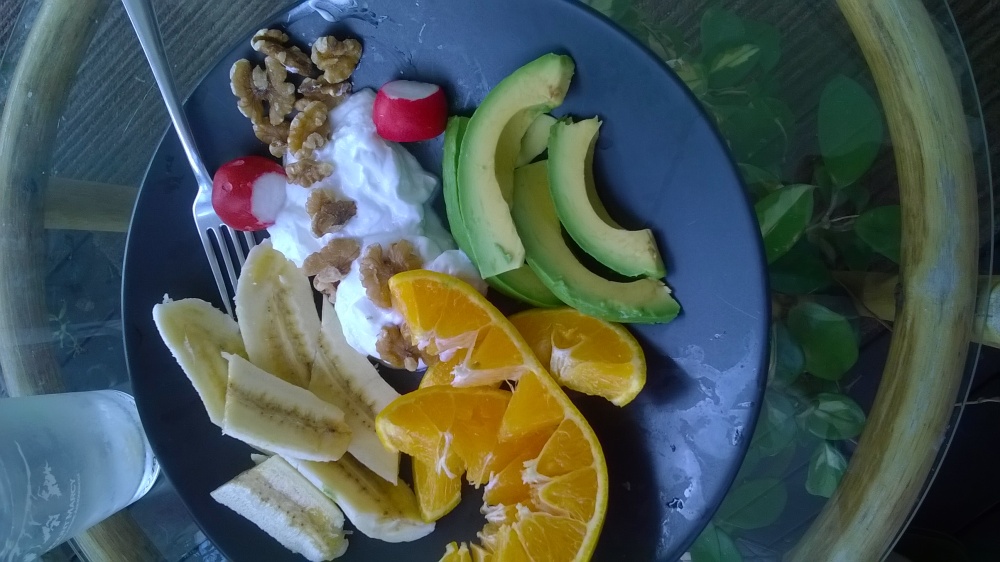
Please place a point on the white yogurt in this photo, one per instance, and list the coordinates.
(391, 191)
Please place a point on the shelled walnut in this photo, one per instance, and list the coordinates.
(307, 171)
(378, 265)
(327, 213)
(319, 89)
(337, 59)
(395, 349)
(273, 43)
(309, 130)
(332, 263)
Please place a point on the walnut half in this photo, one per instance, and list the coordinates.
(332, 263)
(395, 349)
(307, 171)
(328, 213)
(331, 95)
(273, 43)
(254, 86)
(378, 265)
(309, 130)
(337, 59)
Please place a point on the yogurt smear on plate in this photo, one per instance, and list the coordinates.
(391, 191)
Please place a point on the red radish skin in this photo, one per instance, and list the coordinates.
(248, 192)
(407, 111)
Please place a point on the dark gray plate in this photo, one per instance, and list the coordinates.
(673, 453)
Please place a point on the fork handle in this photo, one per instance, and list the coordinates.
(144, 21)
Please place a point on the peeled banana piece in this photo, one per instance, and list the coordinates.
(377, 508)
(272, 414)
(343, 377)
(279, 500)
(277, 315)
(197, 335)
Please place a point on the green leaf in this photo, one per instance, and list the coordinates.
(833, 416)
(768, 39)
(720, 30)
(855, 254)
(777, 427)
(880, 228)
(713, 545)
(759, 177)
(857, 195)
(693, 75)
(825, 470)
(800, 271)
(753, 504)
(756, 135)
(827, 339)
(731, 65)
(850, 129)
(790, 361)
(610, 8)
(783, 217)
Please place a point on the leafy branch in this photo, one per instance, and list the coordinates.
(809, 230)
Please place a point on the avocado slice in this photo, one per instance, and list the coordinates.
(646, 301)
(521, 283)
(489, 152)
(571, 159)
(453, 135)
(536, 139)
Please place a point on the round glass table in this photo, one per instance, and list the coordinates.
(856, 127)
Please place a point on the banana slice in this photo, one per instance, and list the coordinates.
(377, 508)
(279, 500)
(277, 315)
(269, 413)
(197, 335)
(343, 377)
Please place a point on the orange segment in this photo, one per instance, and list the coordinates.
(570, 494)
(446, 315)
(439, 372)
(585, 354)
(531, 410)
(442, 424)
(437, 494)
(479, 554)
(454, 552)
(547, 482)
(509, 547)
(566, 450)
(549, 537)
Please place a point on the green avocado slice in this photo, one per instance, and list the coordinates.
(521, 283)
(489, 152)
(571, 156)
(646, 301)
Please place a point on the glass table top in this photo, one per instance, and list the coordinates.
(859, 136)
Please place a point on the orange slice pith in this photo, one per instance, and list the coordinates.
(543, 468)
(585, 354)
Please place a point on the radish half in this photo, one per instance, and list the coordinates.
(407, 111)
(249, 192)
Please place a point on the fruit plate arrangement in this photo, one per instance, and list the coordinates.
(672, 452)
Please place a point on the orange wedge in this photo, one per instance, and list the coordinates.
(446, 317)
(437, 493)
(545, 475)
(584, 353)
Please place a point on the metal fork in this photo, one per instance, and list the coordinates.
(218, 239)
